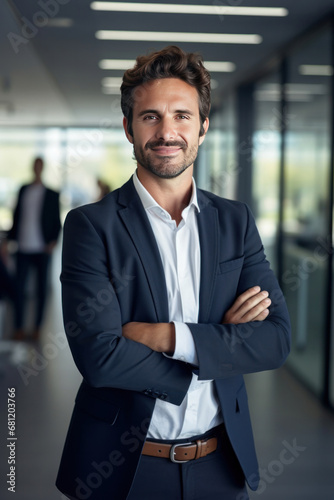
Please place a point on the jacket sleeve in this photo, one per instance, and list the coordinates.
(225, 350)
(93, 322)
(12, 233)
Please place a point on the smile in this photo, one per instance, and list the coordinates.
(166, 150)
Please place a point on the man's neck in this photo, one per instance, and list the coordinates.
(171, 194)
(37, 182)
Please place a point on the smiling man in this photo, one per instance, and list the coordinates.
(185, 304)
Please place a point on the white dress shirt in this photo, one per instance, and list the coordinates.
(179, 249)
(30, 238)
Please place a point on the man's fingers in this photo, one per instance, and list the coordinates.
(248, 294)
(262, 315)
(248, 300)
(252, 305)
(258, 312)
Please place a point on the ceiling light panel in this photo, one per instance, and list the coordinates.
(110, 81)
(163, 36)
(124, 64)
(165, 8)
(316, 70)
(116, 64)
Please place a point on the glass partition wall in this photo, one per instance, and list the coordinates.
(306, 205)
(266, 161)
(288, 181)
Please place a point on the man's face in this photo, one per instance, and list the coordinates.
(38, 168)
(166, 125)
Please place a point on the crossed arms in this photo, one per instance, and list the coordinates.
(112, 351)
(252, 305)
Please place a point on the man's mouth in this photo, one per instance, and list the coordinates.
(167, 148)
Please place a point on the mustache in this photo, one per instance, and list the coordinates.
(159, 144)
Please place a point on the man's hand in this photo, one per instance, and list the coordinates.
(157, 336)
(252, 305)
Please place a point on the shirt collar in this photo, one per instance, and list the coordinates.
(149, 202)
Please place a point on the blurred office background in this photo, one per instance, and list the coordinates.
(270, 144)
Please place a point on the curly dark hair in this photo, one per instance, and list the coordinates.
(170, 62)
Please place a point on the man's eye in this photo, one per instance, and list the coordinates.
(150, 117)
(182, 117)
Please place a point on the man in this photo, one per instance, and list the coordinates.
(165, 301)
(36, 226)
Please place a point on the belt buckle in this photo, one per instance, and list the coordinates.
(172, 453)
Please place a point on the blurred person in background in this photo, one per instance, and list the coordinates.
(103, 189)
(35, 229)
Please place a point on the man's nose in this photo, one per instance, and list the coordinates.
(166, 129)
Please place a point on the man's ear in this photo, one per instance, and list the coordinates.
(205, 128)
(125, 126)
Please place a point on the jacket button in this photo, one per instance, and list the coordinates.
(148, 392)
(163, 396)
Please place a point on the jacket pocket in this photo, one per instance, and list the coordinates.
(97, 408)
(230, 265)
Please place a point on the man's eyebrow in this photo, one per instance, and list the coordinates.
(183, 112)
(156, 112)
(148, 111)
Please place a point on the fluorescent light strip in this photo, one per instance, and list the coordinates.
(60, 22)
(163, 36)
(165, 8)
(316, 70)
(219, 66)
(299, 88)
(111, 85)
(111, 81)
(124, 64)
(116, 63)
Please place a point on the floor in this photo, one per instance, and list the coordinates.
(294, 434)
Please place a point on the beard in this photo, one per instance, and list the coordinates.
(165, 167)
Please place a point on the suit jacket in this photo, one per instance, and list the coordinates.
(50, 218)
(112, 274)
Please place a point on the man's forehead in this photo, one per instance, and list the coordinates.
(165, 91)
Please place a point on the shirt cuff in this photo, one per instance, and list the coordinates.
(185, 349)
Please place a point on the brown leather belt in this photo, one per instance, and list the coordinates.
(179, 453)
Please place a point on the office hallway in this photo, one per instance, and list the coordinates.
(294, 434)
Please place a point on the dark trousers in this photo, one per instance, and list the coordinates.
(25, 262)
(216, 476)
(7, 283)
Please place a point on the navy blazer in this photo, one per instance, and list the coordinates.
(49, 219)
(112, 274)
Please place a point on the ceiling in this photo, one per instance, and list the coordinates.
(50, 74)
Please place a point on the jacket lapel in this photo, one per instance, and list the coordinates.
(209, 243)
(137, 224)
